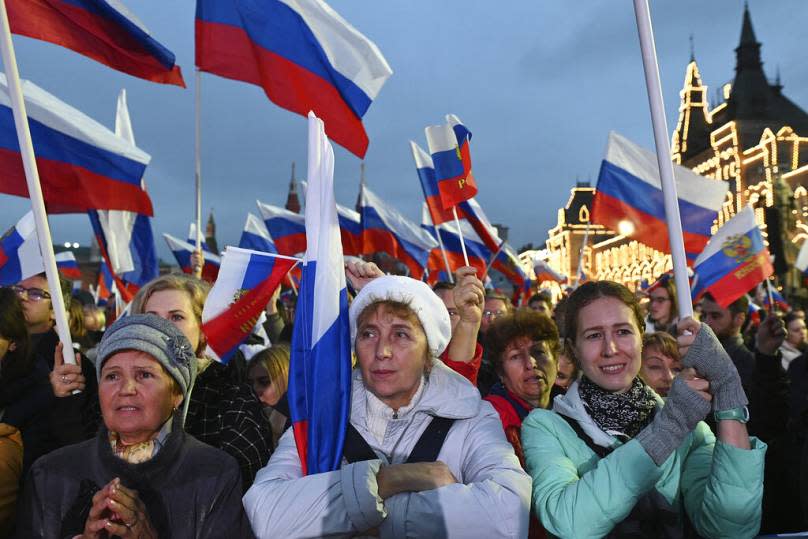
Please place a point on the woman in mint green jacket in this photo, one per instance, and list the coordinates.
(610, 460)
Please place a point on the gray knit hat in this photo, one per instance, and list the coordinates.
(160, 339)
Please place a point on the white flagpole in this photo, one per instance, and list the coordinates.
(442, 250)
(34, 187)
(493, 259)
(651, 67)
(769, 293)
(198, 157)
(460, 235)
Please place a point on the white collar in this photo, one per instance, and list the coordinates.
(378, 414)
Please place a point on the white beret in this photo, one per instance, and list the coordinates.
(427, 306)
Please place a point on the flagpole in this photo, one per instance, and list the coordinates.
(671, 199)
(34, 186)
(442, 250)
(771, 299)
(198, 156)
(460, 235)
(493, 259)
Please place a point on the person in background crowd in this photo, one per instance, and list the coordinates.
(794, 345)
(567, 372)
(471, 485)
(611, 459)
(662, 309)
(463, 301)
(34, 404)
(94, 321)
(523, 347)
(268, 374)
(78, 331)
(15, 369)
(661, 362)
(496, 304)
(142, 475)
(541, 304)
(275, 323)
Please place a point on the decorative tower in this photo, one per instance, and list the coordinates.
(361, 187)
(292, 200)
(210, 234)
(692, 134)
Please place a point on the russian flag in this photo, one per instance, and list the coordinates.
(19, 252)
(449, 146)
(67, 265)
(104, 30)
(255, 236)
(429, 185)
(629, 189)
(288, 229)
(183, 250)
(802, 262)
(544, 272)
(386, 230)
(247, 279)
(320, 369)
(125, 238)
(105, 285)
(508, 264)
(778, 299)
(82, 164)
(350, 229)
(473, 213)
(734, 261)
(303, 54)
(477, 253)
(753, 312)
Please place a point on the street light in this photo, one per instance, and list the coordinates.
(626, 228)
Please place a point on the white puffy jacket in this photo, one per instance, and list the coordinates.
(491, 499)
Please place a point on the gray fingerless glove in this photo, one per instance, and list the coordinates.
(683, 410)
(711, 361)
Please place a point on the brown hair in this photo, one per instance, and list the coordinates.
(589, 292)
(275, 360)
(668, 284)
(76, 319)
(196, 289)
(663, 343)
(522, 323)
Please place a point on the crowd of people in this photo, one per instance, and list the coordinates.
(602, 414)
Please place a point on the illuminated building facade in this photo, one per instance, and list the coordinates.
(754, 138)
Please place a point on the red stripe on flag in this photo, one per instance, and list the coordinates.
(609, 211)
(227, 51)
(291, 244)
(70, 188)
(83, 32)
(741, 280)
(453, 191)
(234, 324)
(301, 432)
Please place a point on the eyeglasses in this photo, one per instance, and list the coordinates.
(493, 314)
(33, 294)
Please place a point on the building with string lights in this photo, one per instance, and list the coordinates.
(753, 137)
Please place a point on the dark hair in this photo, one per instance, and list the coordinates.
(790, 317)
(443, 285)
(17, 362)
(667, 283)
(522, 323)
(540, 297)
(663, 343)
(591, 291)
(740, 305)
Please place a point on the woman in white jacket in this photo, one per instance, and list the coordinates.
(474, 488)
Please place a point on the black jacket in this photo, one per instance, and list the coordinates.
(190, 490)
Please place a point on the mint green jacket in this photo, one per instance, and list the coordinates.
(577, 494)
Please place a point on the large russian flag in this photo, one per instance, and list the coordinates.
(246, 282)
(288, 229)
(477, 253)
(255, 236)
(734, 261)
(320, 369)
(429, 185)
(182, 251)
(82, 164)
(629, 189)
(303, 54)
(19, 252)
(104, 30)
(449, 146)
(386, 230)
(350, 229)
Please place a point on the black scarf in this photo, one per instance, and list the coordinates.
(622, 415)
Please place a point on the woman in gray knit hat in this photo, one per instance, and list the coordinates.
(142, 476)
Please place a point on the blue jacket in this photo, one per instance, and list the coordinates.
(576, 494)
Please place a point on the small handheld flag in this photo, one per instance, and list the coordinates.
(19, 252)
(449, 146)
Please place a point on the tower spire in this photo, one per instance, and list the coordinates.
(361, 186)
(692, 49)
(292, 201)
